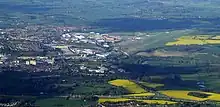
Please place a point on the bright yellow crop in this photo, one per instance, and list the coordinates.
(103, 100)
(187, 42)
(129, 85)
(195, 40)
(184, 95)
(213, 96)
(213, 41)
(181, 95)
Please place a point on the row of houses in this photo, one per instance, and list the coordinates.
(23, 60)
(14, 104)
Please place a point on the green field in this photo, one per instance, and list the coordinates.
(155, 40)
(60, 102)
(151, 85)
(88, 90)
(211, 79)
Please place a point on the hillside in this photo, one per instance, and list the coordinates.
(86, 12)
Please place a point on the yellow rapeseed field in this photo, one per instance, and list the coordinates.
(140, 95)
(184, 95)
(187, 42)
(195, 40)
(129, 85)
(181, 95)
(213, 41)
(103, 100)
(213, 96)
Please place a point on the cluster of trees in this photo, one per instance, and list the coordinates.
(197, 94)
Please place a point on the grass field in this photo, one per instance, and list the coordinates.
(184, 95)
(156, 39)
(91, 89)
(195, 40)
(60, 102)
(151, 85)
(140, 95)
(129, 85)
(211, 79)
(157, 77)
(103, 100)
(162, 53)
